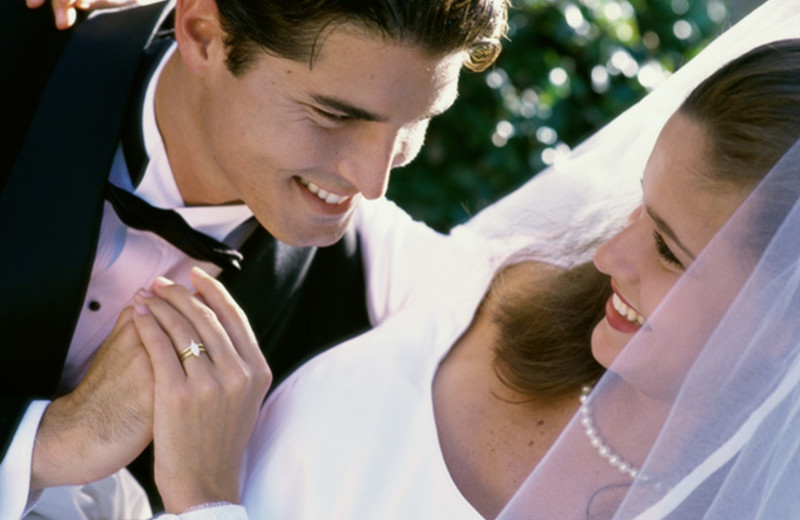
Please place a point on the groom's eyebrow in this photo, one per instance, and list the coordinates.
(664, 228)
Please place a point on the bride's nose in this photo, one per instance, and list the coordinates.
(617, 256)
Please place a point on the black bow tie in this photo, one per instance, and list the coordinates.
(137, 213)
(170, 226)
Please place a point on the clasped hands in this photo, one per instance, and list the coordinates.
(199, 409)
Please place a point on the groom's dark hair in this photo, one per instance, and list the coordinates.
(295, 29)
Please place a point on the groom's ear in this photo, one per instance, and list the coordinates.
(199, 34)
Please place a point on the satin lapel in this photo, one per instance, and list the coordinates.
(50, 210)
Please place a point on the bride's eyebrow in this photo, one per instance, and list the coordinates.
(664, 228)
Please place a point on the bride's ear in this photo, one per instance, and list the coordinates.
(199, 34)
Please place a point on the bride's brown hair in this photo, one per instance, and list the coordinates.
(546, 326)
(750, 109)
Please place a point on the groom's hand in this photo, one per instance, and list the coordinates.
(105, 422)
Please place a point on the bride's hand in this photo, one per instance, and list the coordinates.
(66, 11)
(205, 406)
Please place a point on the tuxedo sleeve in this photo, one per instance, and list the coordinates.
(31, 47)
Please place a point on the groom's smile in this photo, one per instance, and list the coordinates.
(302, 142)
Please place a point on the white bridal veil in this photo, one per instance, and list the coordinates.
(704, 403)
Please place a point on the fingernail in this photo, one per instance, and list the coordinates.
(71, 16)
(141, 309)
(161, 282)
(200, 272)
(144, 293)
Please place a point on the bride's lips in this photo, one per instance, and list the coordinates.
(622, 316)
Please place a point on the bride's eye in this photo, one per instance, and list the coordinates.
(664, 251)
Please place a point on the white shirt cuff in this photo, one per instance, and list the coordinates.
(210, 512)
(16, 498)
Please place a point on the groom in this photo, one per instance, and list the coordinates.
(261, 126)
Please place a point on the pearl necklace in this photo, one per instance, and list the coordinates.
(597, 442)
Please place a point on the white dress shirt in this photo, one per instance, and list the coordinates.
(126, 260)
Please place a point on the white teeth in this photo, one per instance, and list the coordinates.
(330, 198)
(625, 311)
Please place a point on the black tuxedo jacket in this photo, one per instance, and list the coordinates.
(65, 95)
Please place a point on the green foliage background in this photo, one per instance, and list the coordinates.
(540, 98)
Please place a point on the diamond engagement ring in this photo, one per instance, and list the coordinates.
(194, 349)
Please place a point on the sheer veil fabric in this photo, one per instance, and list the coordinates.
(705, 400)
